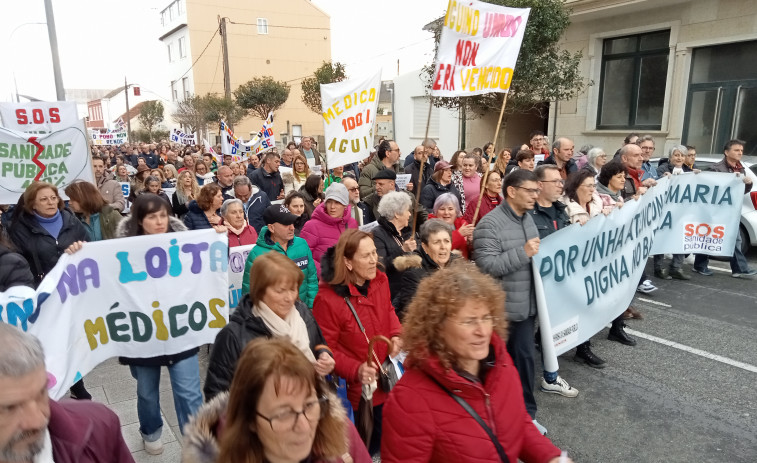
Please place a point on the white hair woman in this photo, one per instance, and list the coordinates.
(392, 236)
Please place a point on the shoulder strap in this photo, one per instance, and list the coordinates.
(479, 420)
(354, 313)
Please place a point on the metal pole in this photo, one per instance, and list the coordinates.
(128, 116)
(60, 92)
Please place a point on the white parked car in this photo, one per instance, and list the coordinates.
(748, 228)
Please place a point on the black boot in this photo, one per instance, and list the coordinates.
(585, 355)
(79, 392)
(617, 333)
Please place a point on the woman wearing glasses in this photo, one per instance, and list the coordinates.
(278, 410)
(455, 333)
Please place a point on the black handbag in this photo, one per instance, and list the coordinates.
(387, 377)
(466, 406)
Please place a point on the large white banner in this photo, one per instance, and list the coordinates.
(262, 141)
(478, 48)
(237, 259)
(59, 157)
(125, 297)
(38, 117)
(110, 138)
(349, 112)
(586, 276)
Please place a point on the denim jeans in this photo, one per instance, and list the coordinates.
(187, 395)
(738, 261)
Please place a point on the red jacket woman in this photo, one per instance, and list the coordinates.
(423, 423)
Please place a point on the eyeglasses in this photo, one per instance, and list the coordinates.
(50, 199)
(353, 189)
(286, 421)
(647, 148)
(560, 181)
(591, 186)
(487, 322)
(531, 191)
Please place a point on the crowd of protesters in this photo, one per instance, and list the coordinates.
(341, 256)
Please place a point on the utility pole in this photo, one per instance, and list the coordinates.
(225, 45)
(60, 92)
(128, 116)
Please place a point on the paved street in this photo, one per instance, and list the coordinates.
(685, 393)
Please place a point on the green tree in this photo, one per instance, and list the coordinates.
(216, 108)
(311, 87)
(150, 115)
(190, 113)
(262, 95)
(543, 72)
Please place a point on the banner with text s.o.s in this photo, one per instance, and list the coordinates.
(237, 259)
(59, 157)
(585, 276)
(478, 48)
(137, 297)
(38, 116)
(349, 112)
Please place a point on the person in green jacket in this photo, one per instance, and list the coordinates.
(278, 236)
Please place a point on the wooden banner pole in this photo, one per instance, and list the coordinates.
(420, 171)
(486, 171)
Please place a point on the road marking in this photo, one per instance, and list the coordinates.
(650, 301)
(692, 350)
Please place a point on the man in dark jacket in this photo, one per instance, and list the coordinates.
(36, 428)
(562, 157)
(360, 211)
(268, 178)
(549, 216)
(731, 162)
(384, 182)
(421, 157)
(504, 242)
(255, 204)
(151, 159)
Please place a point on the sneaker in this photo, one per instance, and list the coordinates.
(646, 287)
(542, 429)
(154, 448)
(560, 386)
(747, 275)
(706, 272)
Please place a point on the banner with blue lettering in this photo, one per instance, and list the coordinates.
(585, 276)
(140, 297)
(237, 259)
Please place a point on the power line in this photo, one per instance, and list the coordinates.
(216, 71)
(283, 27)
(200, 56)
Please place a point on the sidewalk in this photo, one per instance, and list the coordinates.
(111, 383)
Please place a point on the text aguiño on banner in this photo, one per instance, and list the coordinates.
(349, 112)
(478, 48)
(585, 276)
(125, 297)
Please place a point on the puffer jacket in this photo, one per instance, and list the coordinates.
(243, 327)
(323, 231)
(366, 175)
(341, 331)
(421, 422)
(125, 229)
(195, 218)
(14, 270)
(433, 190)
(203, 433)
(498, 249)
(459, 243)
(389, 243)
(576, 211)
(298, 251)
(414, 268)
(38, 247)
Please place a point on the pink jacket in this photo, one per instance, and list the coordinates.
(323, 231)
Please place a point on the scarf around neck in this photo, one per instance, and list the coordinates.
(292, 327)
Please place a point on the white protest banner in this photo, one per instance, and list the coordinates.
(127, 297)
(38, 116)
(231, 144)
(262, 141)
(237, 259)
(59, 157)
(402, 181)
(110, 138)
(349, 112)
(177, 136)
(585, 276)
(478, 48)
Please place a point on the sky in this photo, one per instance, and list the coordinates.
(102, 41)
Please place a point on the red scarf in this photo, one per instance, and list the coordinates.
(636, 176)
